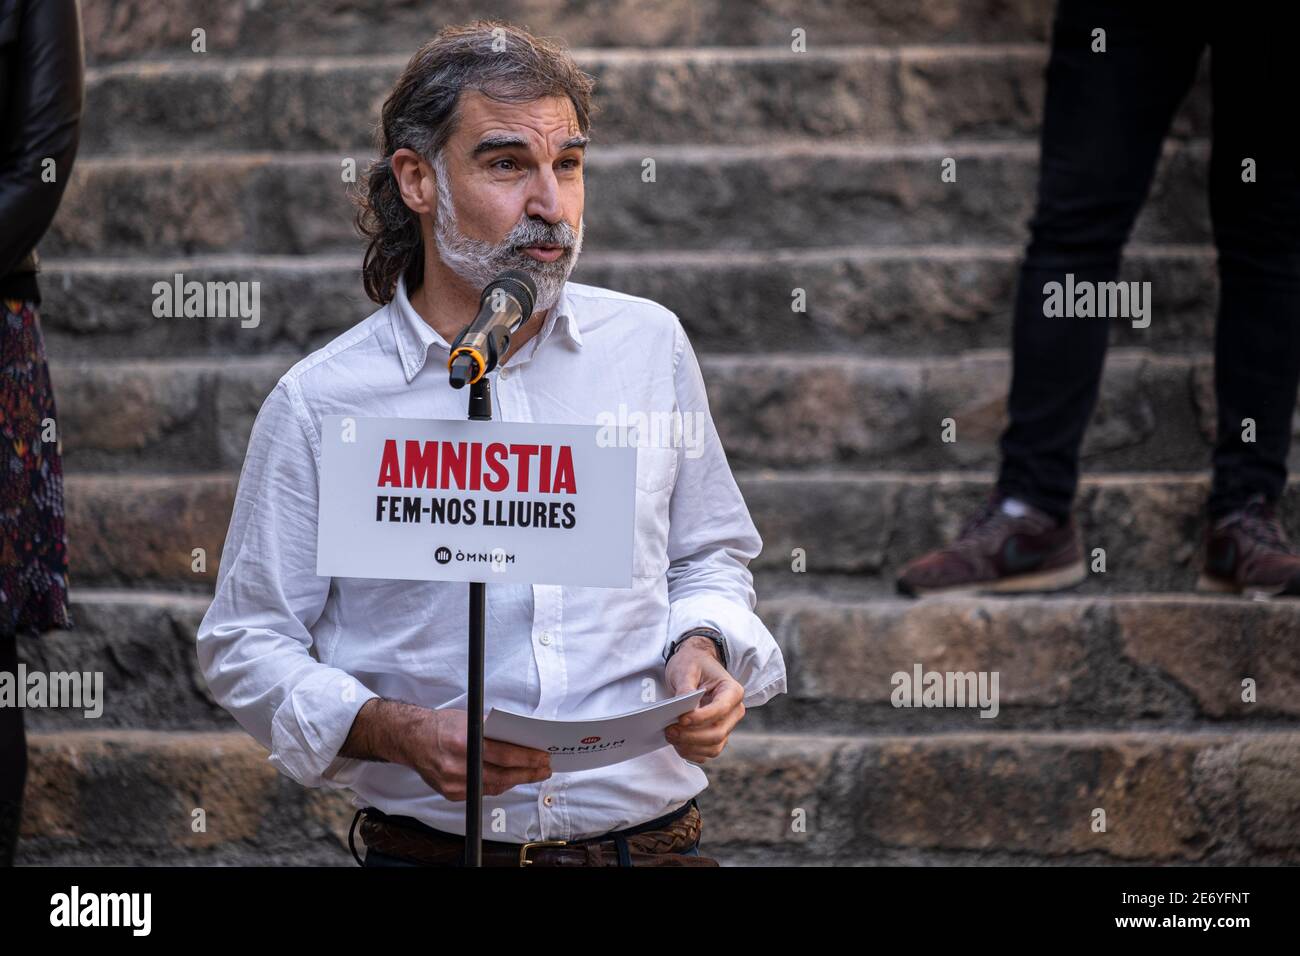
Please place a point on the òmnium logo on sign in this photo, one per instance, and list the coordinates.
(590, 740)
(462, 556)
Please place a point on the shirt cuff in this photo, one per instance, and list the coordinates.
(753, 657)
(311, 725)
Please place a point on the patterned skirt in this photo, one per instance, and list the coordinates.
(33, 544)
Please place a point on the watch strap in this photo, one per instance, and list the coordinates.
(711, 633)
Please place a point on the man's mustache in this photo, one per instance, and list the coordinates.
(561, 234)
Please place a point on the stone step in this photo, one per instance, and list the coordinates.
(1112, 661)
(891, 300)
(1147, 526)
(140, 530)
(727, 96)
(703, 197)
(1028, 798)
(143, 643)
(118, 29)
(1106, 661)
(130, 797)
(1154, 413)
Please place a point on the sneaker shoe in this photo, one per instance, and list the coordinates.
(1000, 549)
(1247, 552)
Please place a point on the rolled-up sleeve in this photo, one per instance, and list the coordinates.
(711, 540)
(255, 641)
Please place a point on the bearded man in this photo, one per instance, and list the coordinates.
(360, 683)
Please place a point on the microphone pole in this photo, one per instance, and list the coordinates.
(476, 352)
(480, 410)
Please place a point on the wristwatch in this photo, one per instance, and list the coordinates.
(711, 633)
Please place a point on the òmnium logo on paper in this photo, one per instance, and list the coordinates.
(584, 746)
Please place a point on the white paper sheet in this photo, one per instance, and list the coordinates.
(597, 742)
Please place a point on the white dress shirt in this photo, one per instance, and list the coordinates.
(293, 655)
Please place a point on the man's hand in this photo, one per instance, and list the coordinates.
(701, 734)
(438, 753)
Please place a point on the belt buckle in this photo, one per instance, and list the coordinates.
(523, 850)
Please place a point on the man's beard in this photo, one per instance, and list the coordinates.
(479, 262)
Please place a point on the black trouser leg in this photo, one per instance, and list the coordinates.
(1105, 117)
(1257, 230)
(13, 758)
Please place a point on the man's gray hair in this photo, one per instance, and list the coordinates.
(496, 59)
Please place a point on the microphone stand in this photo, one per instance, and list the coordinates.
(480, 410)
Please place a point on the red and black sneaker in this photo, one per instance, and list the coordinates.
(1247, 552)
(1001, 550)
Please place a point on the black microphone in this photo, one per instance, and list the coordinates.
(506, 304)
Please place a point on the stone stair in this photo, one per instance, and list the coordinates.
(776, 171)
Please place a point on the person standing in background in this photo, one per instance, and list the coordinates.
(41, 88)
(1108, 107)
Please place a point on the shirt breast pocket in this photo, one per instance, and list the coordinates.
(656, 473)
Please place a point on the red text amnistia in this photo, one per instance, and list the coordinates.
(478, 466)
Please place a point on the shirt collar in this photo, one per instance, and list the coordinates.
(414, 335)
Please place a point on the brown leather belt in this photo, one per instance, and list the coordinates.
(658, 843)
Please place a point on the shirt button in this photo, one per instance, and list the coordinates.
(545, 639)
(548, 800)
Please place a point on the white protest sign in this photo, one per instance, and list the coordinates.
(430, 500)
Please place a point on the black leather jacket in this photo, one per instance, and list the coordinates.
(41, 89)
